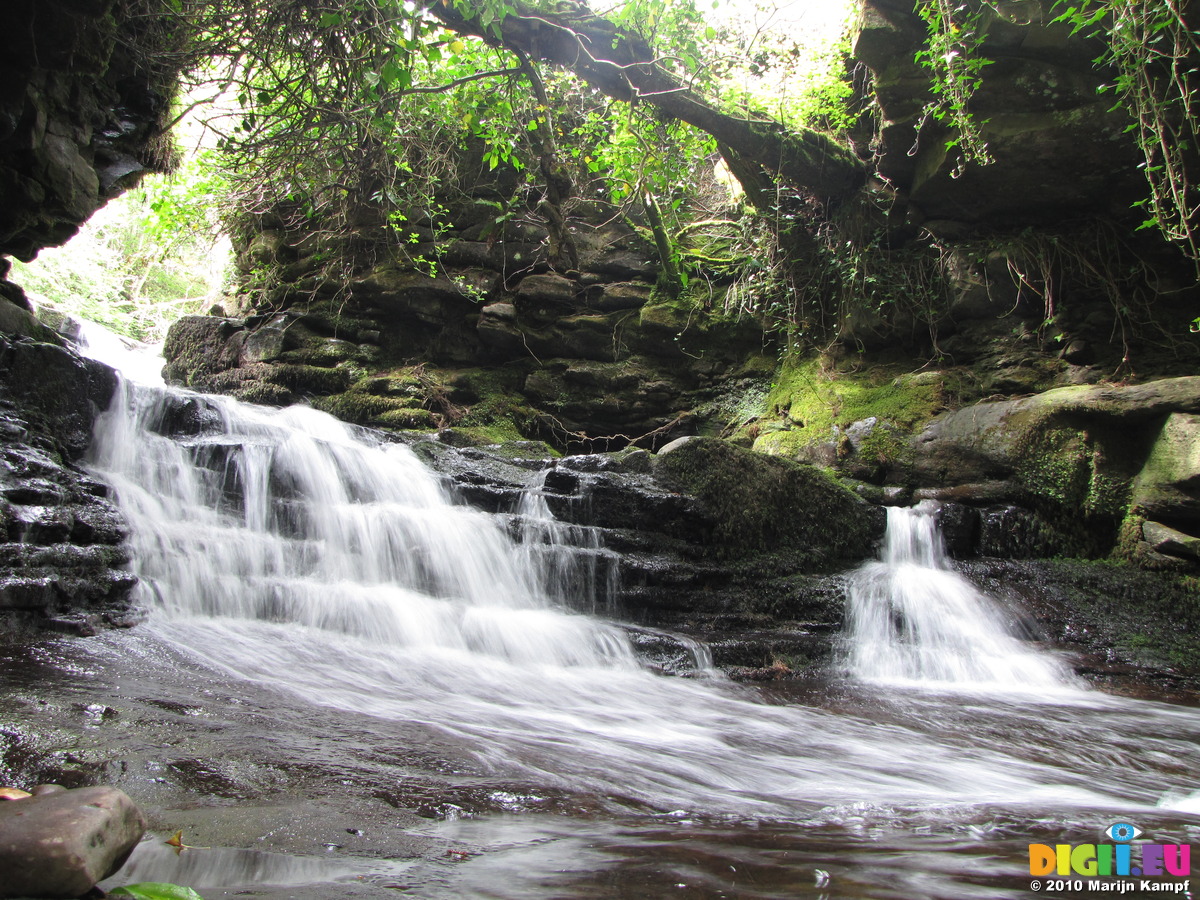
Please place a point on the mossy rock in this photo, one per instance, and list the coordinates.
(309, 379)
(263, 393)
(761, 503)
(407, 418)
(811, 407)
(367, 409)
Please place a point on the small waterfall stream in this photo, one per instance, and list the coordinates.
(290, 516)
(570, 562)
(290, 556)
(912, 618)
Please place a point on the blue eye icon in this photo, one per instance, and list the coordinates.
(1122, 831)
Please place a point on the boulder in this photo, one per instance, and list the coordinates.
(1171, 541)
(758, 503)
(1168, 485)
(61, 843)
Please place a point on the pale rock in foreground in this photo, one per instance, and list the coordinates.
(58, 844)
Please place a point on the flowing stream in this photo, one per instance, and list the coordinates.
(287, 555)
(913, 619)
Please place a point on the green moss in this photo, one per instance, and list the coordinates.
(486, 435)
(810, 403)
(364, 409)
(883, 445)
(761, 504)
(1079, 478)
(406, 418)
(263, 393)
(494, 406)
(309, 379)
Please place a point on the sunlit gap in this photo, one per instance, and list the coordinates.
(148, 257)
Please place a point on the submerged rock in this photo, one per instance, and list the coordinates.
(61, 843)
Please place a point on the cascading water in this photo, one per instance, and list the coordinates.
(289, 516)
(570, 562)
(912, 618)
(291, 558)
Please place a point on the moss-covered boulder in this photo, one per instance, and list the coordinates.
(1094, 460)
(763, 504)
(1168, 485)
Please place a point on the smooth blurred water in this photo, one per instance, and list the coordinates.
(285, 551)
(912, 618)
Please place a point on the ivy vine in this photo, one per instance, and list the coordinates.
(952, 56)
(1155, 57)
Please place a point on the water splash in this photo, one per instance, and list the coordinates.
(912, 618)
(570, 561)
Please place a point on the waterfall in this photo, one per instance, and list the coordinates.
(569, 561)
(912, 618)
(323, 573)
(292, 516)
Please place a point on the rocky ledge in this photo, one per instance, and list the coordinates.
(61, 537)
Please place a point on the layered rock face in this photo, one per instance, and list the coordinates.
(476, 329)
(61, 546)
(82, 105)
(1059, 146)
(83, 100)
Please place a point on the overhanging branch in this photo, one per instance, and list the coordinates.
(621, 64)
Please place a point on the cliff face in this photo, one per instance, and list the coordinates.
(83, 100)
(477, 331)
(82, 104)
(1059, 145)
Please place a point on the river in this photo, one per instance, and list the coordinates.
(335, 642)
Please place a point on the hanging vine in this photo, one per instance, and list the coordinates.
(952, 56)
(1155, 56)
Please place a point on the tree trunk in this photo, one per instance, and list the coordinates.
(622, 65)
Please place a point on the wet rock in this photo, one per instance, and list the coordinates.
(57, 389)
(960, 527)
(60, 844)
(199, 347)
(61, 537)
(1108, 614)
(1168, 485)
(1012, 532)
(1171, 541)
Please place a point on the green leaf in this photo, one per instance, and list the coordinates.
(329, 20)
(155, 890)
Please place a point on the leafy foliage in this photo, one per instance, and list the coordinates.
(155, 890)
(952, 56)
(341, 109)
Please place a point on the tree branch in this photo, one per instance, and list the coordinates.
(621, 64)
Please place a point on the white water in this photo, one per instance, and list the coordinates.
(287, 551)
(911, 618)
(586, 577)
(289, 516)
